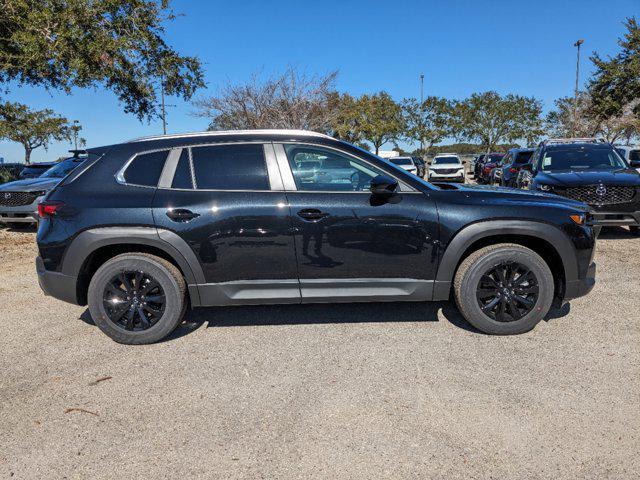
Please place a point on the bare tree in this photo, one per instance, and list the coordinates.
(290, 100)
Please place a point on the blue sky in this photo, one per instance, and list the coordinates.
(465, 46)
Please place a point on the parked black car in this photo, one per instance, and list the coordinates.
(144, 228)
(590, 171)
(511, 164)
(34, 170)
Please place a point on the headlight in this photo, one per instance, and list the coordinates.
(544, 188)
(40, 193)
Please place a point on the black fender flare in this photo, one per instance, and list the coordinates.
(91, 240)
(476, 231)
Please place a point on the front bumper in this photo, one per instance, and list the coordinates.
(20, 214)
(616, 219)
(55, 284)
(454, 177)
(582, 286)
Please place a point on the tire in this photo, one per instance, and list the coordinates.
(171, 287)
(635, 230)
(467, 285)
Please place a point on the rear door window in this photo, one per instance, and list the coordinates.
(230, 167)
(145, 169)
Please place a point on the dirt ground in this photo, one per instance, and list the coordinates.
(393, 390)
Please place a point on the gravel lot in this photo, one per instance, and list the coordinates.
(346, 391)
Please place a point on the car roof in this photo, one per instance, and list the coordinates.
(518, 150)
(276, 133)
(446, 155)
(40, 164)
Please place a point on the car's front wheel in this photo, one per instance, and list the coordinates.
(137, 298)
(504, 289)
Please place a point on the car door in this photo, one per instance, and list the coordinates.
(350, 244)
(227, 203)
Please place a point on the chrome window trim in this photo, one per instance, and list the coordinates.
(119, 176)
(289, 181)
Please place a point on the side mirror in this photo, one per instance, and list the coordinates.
(383, 185)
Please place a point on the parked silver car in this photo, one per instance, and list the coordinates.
(19, 200)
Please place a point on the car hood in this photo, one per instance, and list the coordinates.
(589, 177)
(30, 185)
(504, 195)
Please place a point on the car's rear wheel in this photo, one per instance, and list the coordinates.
(504, 289)
(137, 298)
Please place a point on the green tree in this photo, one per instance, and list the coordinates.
(32, 128)
(615, 85)
(117, 44)
(490, 119)
(344, 118)
(428, 122)
(379, 119)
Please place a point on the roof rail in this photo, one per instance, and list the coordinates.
(552, 141)
(213, 133)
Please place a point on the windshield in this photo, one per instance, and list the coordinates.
(446, 160)
(581, 158)
(62, 169)
(401, 161)
(523, 157)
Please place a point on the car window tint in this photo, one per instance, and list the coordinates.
(230, 167)
(182, 177)
(523, 157)
(322, 169)
(634, 155)
(145, 169)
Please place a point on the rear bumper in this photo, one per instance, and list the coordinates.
(55, 284)
(582, 286)
(606, 219)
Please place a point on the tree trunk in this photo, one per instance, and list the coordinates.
(27, 154)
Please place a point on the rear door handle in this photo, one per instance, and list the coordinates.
(181, 214)
(312, 214)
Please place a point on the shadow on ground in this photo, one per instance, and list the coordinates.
(267, 315)
(616, 233)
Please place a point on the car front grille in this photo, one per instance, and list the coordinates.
(445, 171)
(601, 194)
(16, 199)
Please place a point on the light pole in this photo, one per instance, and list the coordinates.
(421, 107)
(575, 100)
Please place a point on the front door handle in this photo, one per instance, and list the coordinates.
(181, 214)
(312, 214)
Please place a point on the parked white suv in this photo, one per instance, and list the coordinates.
(446, 166)
(406, 163)
(629, 152)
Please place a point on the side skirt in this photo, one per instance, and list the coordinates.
(260, 292)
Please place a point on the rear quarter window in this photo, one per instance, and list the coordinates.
(145, 168)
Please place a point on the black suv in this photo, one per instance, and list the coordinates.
(590, 171)
(144, 228)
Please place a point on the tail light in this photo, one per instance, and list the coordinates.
(513, 170)
(49, 209)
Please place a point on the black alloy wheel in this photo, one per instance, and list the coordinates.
(134, 300)
(507, 292)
